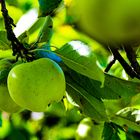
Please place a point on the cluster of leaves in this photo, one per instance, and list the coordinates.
(100, 96)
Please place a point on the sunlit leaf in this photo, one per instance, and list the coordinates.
(25, 22)
(135, 101)
(46, 31)
(5, 53)
(79, 57)
(24, 37)
(37, 24)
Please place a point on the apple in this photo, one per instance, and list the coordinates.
(6, 102)
(88, 130)
(109, 21)
(34, 85)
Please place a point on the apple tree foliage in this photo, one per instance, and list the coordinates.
(111, 99)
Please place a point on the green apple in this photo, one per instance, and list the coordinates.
(6, 102)
(109, 21)
(87, 130)
(34, 85)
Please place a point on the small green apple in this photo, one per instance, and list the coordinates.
(36, 84)
(87, 130)
(6, 102)
(109, 21)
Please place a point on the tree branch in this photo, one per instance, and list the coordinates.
(129, 70)
(132, 58)
(110, 64)
(18, 48)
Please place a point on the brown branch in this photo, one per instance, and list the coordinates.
(132, 58)
(18, 48)
(129, 70)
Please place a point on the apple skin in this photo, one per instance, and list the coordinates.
(36, 84)
(87, 130)
(6, 102)
(110, 21)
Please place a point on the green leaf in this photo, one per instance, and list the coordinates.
(135, 101)
(6, 65)
(114, 88)
(35, 29)
(126, 121)
(90, 105)
(24, 37)
(5, 53)
(79, 57)
(116, 93)
(110, 132)
(123, 88)
(12, 2)
(37, 25)
(46, 31)
(4, 42)
(114, 106)
(46, 7)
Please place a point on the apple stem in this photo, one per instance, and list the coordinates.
(18, 48)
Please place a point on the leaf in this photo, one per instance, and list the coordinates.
(13, 2)
(5, 53)
(79, 57)
(110, 132)
(37, 25)
(88, 104)
(4, 42)
(46, 31)
(46, 7)
(24, 37)
(125, 121)
(5, 67)
(114, 106)
(131, 114)
(114, 88)
(123, 88)
(135, 101)
(116, 93)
